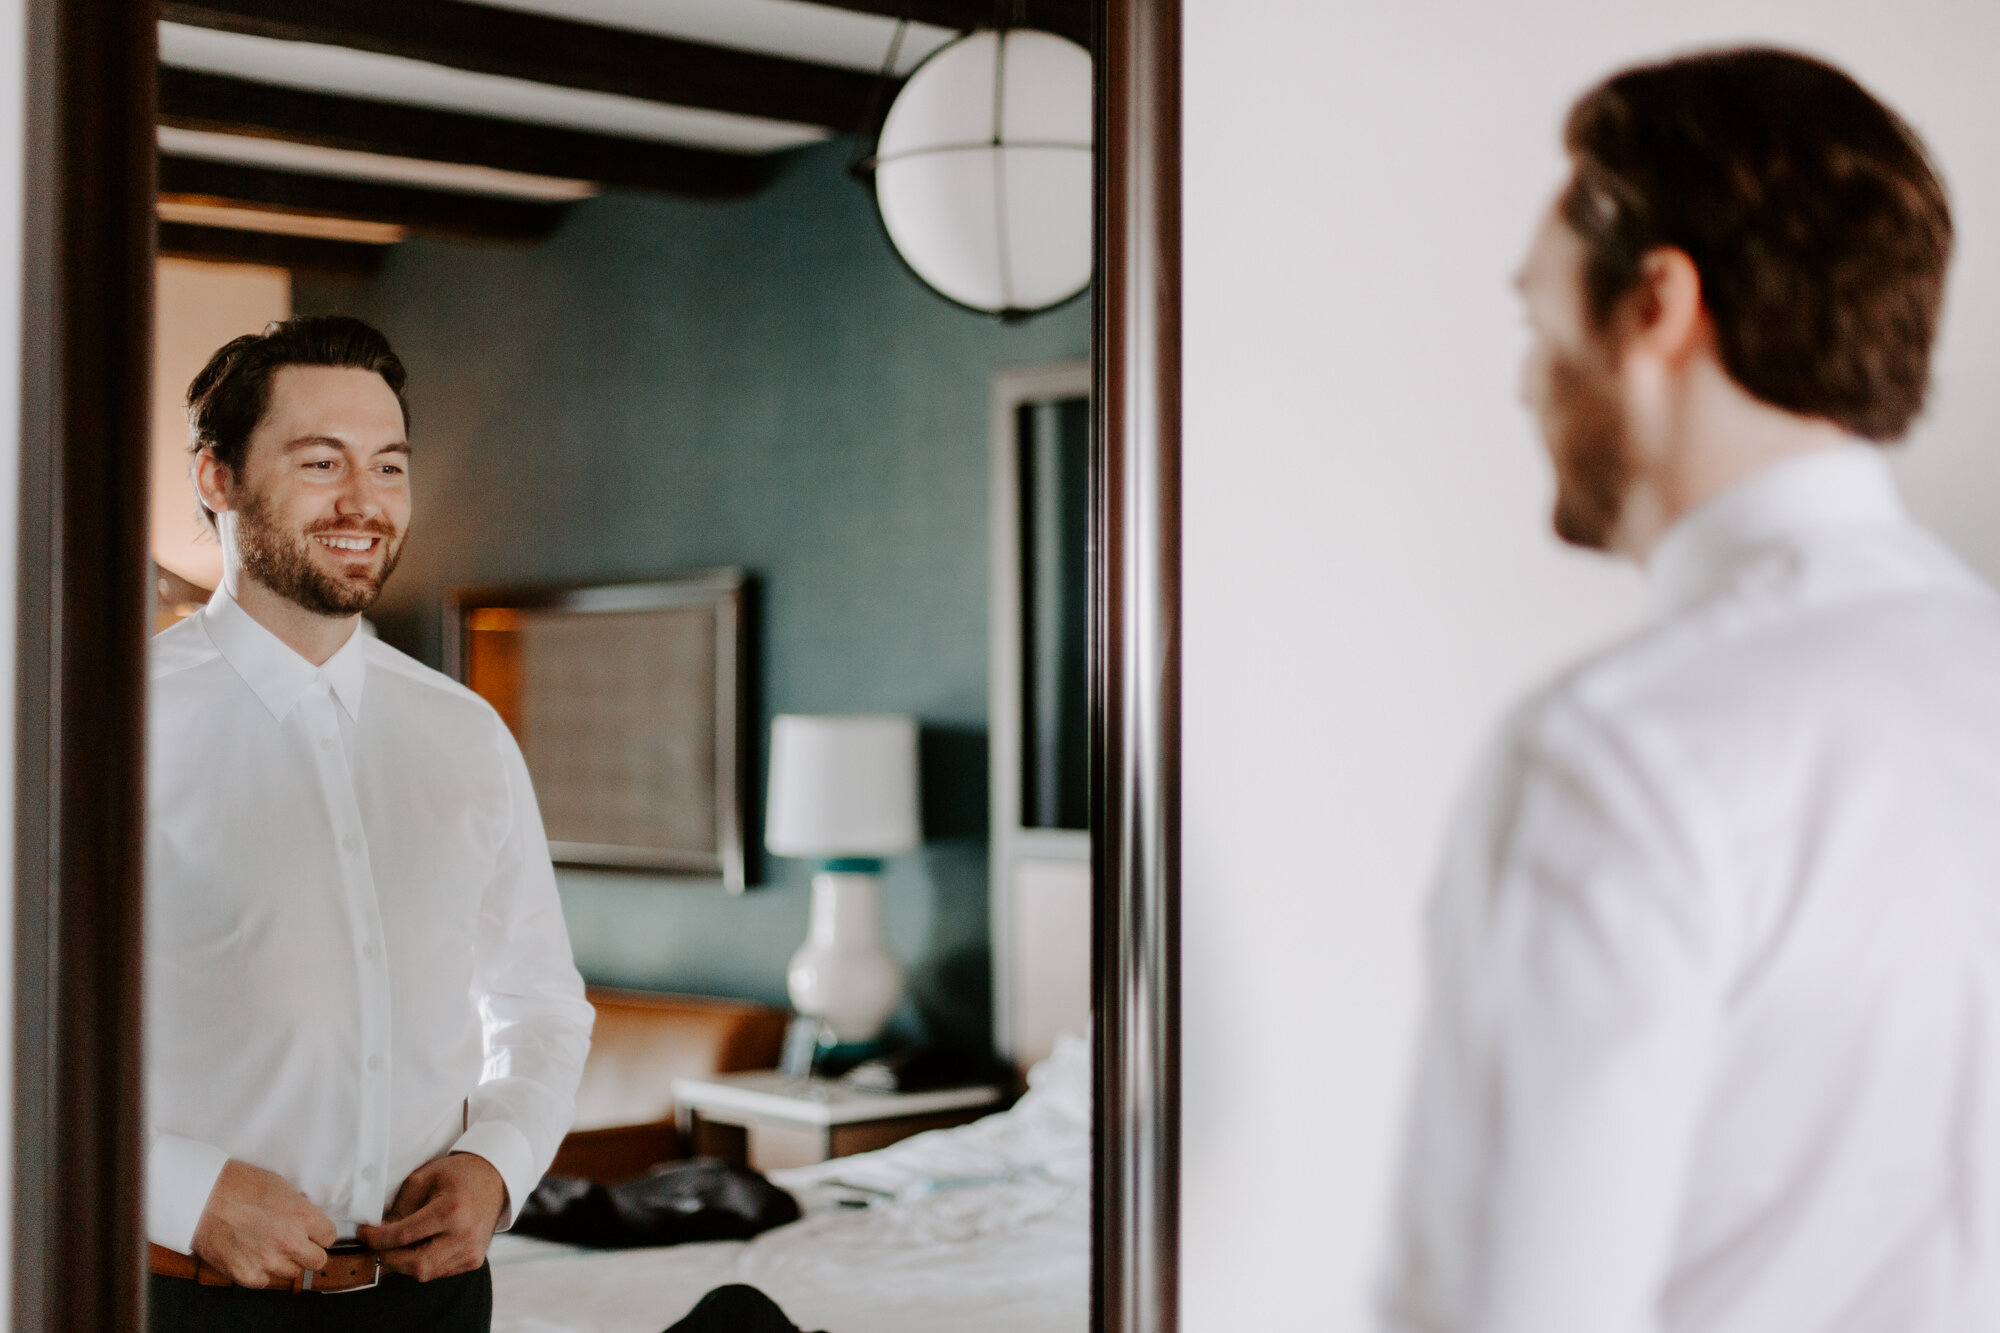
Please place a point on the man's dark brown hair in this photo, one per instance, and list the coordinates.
(228, 398)
(1810, 210)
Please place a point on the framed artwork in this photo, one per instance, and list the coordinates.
(629, 701)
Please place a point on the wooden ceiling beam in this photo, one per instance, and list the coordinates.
(186, 240)
(1074, 19)
(561, 52)
(444, 212)
(219, 104)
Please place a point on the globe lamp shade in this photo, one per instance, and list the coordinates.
(983, 171)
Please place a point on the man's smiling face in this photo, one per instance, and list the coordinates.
(319, 513)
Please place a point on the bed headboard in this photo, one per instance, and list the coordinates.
(625, 1114)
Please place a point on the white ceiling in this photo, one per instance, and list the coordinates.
(338, 69)
(317, 161)
(791, 28)
(238, 218)
(817, 33)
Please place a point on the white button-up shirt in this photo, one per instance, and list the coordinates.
(1713, 1042)
(355, 956)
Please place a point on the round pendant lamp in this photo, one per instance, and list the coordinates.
(983, 171)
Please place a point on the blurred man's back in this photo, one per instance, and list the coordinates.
(1714, 1034)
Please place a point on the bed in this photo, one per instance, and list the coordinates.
(979, 1229)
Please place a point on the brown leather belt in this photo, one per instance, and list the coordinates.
(348, 1268)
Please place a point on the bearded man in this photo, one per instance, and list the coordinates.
(1713, 1034)
(364, 1027)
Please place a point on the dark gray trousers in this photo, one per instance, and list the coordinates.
(462, 1304)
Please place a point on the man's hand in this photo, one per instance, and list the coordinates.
(260, 1231)
(443, 1218)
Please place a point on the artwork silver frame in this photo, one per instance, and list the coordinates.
(722, 592)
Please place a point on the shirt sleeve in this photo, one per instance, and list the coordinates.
(1571, 1020)
(180, 1175)
(531, 1005)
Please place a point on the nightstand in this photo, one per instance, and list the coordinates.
(767, 1120)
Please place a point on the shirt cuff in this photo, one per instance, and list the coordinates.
(506, 1148)
(180, 1175)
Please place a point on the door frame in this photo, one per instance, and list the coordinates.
(1019, 939)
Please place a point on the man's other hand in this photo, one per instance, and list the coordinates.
(443, 1218)
(260, 1231)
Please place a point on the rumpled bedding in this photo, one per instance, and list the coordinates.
(979, 1229)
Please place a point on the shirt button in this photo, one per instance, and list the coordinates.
(349, 844)
(374, 1062)
(368, 1173)
(368, 950)
(326, 744)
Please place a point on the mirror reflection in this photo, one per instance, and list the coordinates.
(618, 786)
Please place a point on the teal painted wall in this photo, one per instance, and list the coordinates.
(666, 385)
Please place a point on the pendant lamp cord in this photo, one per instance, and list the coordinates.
(861, 158)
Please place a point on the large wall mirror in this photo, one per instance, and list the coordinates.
(655, 318)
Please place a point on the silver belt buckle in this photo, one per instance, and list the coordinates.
(374, 1280)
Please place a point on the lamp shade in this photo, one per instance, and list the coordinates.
(842, 786)
(983, 171)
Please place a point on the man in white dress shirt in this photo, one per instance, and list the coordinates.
(1713, 1033)
(364, 1026)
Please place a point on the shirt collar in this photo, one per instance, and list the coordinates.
(1845, 487)
(270, 667)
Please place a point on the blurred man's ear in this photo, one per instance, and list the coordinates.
(1664, 315)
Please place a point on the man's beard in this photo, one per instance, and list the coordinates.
(283, 561)
(1591, 448)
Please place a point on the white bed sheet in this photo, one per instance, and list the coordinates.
(980, 1229)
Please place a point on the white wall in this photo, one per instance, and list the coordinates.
(1368, 577)
(197, 308)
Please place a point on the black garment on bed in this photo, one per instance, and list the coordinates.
(699, 1199)
(735, 1309)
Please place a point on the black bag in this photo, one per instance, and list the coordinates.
(679, 1202)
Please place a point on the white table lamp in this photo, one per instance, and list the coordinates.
(844, 790)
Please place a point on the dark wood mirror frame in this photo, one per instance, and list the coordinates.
(1135, 669)
(89, 230)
